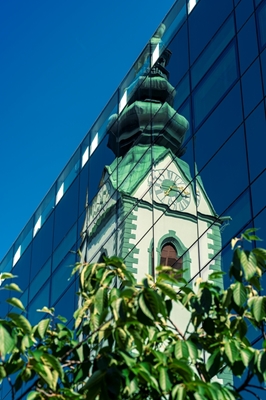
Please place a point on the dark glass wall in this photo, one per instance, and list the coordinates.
(217, 77)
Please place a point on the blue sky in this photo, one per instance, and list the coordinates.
(61, 61)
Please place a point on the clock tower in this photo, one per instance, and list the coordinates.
(151, 207)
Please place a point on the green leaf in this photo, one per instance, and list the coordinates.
(7, 343)
(13, 286)
(181, 349)
(54, 363)
(21, 322)
(258, 308)
(192, 350)
(239, 294)
(152, 300)
(94, 384)
(183, 369)
(44, 372)
(100, 299)
(231, 351)
(16, 303)
(47, 310)
(262, 362)
(144, 307)
(33, 396)
(43, 326)
(164, 379)
(2, 373)
(249, 264)
(7, 275)
(179, 392)
(130, 361)
(213, 363)
(246, 356)
(62, 319)
(167, 290)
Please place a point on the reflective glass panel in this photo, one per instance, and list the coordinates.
(178, 64)
(66, 212)
(261, 14)
(65, 305)
(247, 44)
(239, 214)
(256, 140)
(103, 156)
(252, 87)
(243, 11)
(60, 277)
(202, 27)
(40, 279)
(225, 176)
(65, 246)
(212, 51)
(42, 245)
(40, 300)
(257, 190)
(44, 210)
(215, 84)
(223, 121)
(263, 67)
(22, 269)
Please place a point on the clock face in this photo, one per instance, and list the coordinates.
(169, 188)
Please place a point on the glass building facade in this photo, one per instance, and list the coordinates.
(175, 161)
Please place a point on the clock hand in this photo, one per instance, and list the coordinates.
(183, 192)
(169, 190)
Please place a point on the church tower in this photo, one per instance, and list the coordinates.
(151, 209)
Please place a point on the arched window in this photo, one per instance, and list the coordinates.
(170, 257)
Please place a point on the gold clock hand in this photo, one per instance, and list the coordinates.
(168, 190)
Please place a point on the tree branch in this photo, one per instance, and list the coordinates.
(245, 383)
(254, 394)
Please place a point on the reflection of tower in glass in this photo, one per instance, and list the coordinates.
(148, 200)
(148, 114)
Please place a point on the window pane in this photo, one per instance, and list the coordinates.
(263, 67)
(40, 301)
(243, 11)
(262, 24)
(178, 64)
(65, 246)
(260, 223)
(40, 279)
(61, 275)
(182, 92)
(215, 84)
(42, 245)
(252, 87)
(257, 190)
(226, 176)
(219, 126)
(66, 212)
(213, 50)
(247, 44)
(65, 306)
(202, 27)
(240, 215)
(100, 158)
(256, 141)
(22, 269)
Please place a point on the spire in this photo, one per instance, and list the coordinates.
(149, 117)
